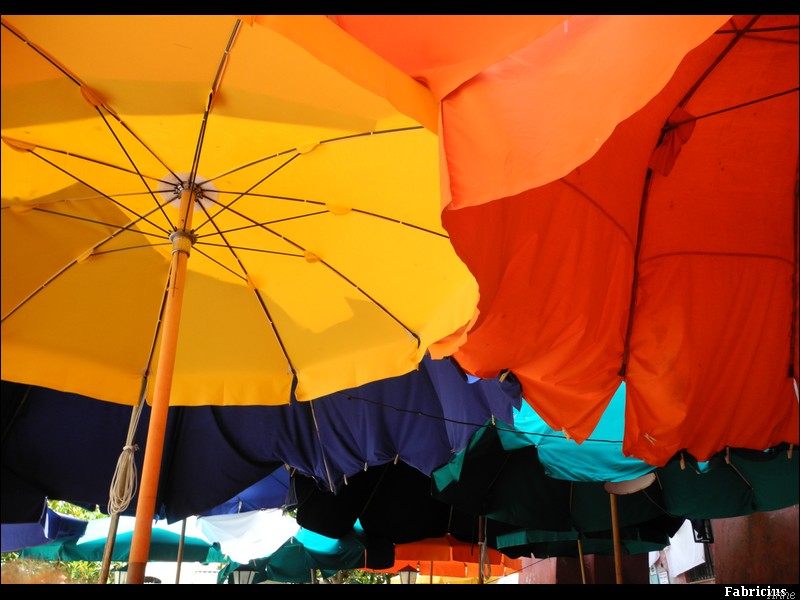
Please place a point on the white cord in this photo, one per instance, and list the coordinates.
(125, 480)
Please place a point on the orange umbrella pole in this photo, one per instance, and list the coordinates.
(145, 508)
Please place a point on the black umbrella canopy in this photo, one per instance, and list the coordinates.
(391, 502)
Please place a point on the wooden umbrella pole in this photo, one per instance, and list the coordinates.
(615, 530)
(179, 558)
(122, 486)
(108, 551)
(481, 553)
(145, 508)
(580, 557)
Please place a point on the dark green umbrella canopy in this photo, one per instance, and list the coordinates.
(499, 475)
(650, 536)
(734, 483)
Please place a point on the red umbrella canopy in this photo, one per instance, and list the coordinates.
(666, 256)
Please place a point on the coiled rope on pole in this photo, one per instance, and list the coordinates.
(125, 480)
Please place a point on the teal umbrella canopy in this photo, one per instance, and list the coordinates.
(300, 555)
(598, 458)
(164, 545)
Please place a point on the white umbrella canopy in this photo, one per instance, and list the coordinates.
(248, 535)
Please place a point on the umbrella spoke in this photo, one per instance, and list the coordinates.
(123, 206)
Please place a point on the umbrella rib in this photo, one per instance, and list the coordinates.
(738, 36)
(85, 158)
(71, 264)
(107, 197)
(730, 108)
(257, 293)
(86, 220)
(302, 249)
(251, 226)
(212, 96)
(757, 30)
(130, 159)
(95, 101)
(599, 207)
(296, 151)
(415, 412)
(17, 411)
(732, 254)
(224, 207)
(657, 504)
(374, 491)
(313, 214)
(648, 181)
(321, 447)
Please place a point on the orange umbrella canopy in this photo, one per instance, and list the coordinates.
(448, 557)
(661, 250)
(524, 99)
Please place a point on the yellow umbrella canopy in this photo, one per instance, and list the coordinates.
(317, 248)
(213, 210)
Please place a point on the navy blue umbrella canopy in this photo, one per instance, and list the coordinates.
(65, 447)
(49, 527)
(421, 419)
(269, 492)
(213, 453)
